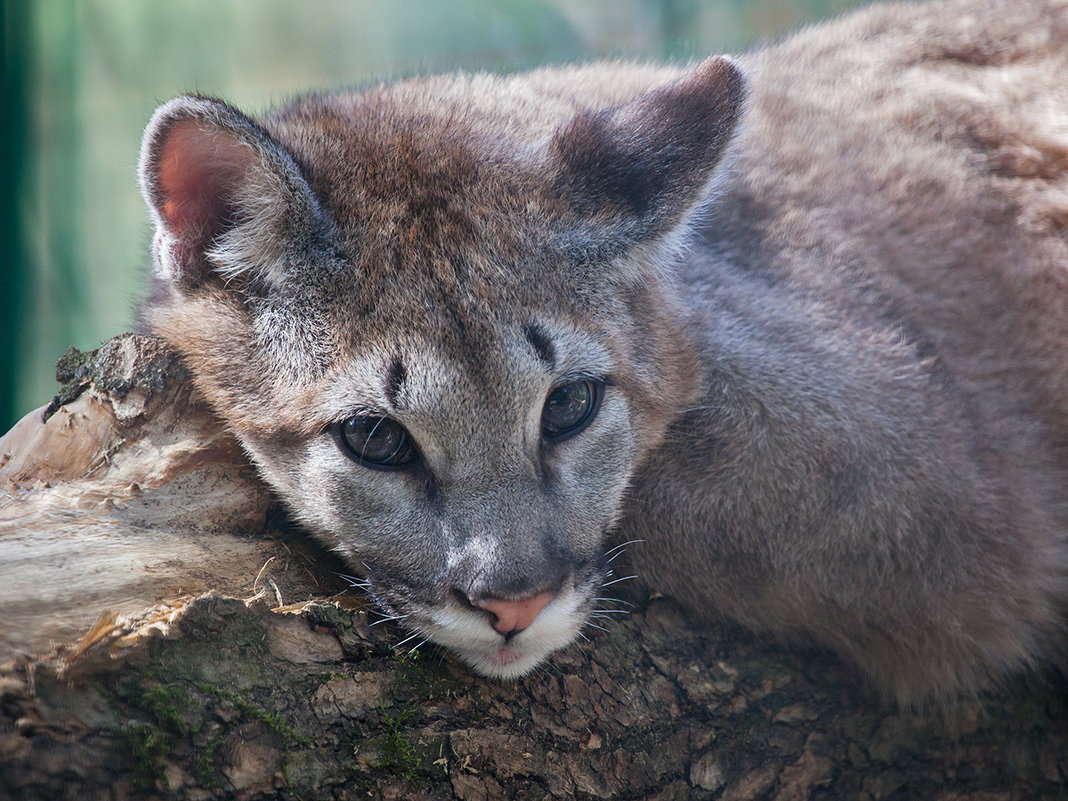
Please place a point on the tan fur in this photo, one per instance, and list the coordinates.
(836, 398)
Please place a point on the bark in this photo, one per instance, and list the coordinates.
(168, 635)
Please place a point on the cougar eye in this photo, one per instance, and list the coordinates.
(570, 408)
(376, 441)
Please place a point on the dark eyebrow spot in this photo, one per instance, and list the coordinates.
(397, 376)
(541, 343)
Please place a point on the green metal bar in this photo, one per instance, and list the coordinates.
(14, 53)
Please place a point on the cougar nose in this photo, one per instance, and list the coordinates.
(511, 617)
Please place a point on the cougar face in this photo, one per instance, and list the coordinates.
(472, 495)
(443, 342)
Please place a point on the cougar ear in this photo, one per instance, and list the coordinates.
(227, 200)
(636, 171)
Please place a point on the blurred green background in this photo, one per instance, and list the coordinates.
(81, 78)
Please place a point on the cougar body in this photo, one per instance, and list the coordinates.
(793, 324)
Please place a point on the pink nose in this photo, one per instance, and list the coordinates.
(514, 616)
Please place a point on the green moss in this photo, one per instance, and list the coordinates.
(171, 706)
(204, 770)
(150, 748)
(173, 717)
(74, 366)
(270, 718)
(410, 758)
(73, 375)
(400, 755)
(420, 679)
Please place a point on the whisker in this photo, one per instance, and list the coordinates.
(547, 669)
(716, 406)
(616, 581)
(594, 626)
(614, 600)
(409, 638)
(388, 618)
(621, 546)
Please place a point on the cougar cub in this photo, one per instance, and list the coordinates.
(798, 337)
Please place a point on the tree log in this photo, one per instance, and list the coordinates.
(168, 634)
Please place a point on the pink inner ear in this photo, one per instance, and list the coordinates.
(199, 171)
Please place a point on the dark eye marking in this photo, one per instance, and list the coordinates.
(543, 346)
(398, 374)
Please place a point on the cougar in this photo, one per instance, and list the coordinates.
(791, 325)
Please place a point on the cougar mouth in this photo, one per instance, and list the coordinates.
(469, 634)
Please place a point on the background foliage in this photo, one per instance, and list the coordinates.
(81, 78)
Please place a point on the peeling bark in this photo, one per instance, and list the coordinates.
(227, 661)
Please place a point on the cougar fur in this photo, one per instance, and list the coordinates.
(792, 324)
